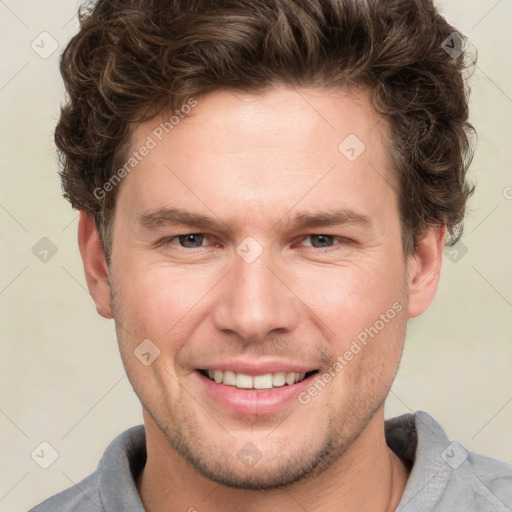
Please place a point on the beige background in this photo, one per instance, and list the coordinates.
(62, 380)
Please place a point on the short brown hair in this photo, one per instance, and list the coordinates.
(133, 59)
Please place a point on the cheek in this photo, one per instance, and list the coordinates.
(154, 315)
(153, 303)
(361, 309)
(348, 299)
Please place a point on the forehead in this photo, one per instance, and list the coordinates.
(277, 119)
(281, 147)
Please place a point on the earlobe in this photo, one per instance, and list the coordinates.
(424, 269)
(95, 265)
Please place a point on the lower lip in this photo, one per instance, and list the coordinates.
(252, 402)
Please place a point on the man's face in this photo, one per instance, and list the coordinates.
(256, 293)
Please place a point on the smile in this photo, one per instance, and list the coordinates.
(256, 382)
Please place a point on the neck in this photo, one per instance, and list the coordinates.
(368, 476)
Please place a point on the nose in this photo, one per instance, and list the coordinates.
(255, 300)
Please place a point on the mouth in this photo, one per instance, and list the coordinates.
(263, 382)
(254, 388)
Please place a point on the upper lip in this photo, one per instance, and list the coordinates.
(255, 367)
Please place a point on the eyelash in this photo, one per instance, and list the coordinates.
(169, 240)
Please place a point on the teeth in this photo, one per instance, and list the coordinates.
(244, 381)
(229, 378)
(290, 378)
(262, 381)
(278, 379)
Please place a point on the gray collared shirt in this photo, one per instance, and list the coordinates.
(444, 476)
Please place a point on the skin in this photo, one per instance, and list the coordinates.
(251, 162)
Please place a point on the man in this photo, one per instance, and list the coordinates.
(265, 191)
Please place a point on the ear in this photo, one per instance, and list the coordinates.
(424, 269)
(95, 265)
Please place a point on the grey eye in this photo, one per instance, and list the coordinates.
(323, 240)
(188, 240)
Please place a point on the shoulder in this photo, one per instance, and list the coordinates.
(83, 496)
(112, 486)
(445, 476)
(491, 481)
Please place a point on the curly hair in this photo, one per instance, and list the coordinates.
(134, 59)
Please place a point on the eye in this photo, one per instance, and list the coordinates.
(195, 240)
(187, 241)
(320, 241)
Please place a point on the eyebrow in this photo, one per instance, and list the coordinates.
(153, 219)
